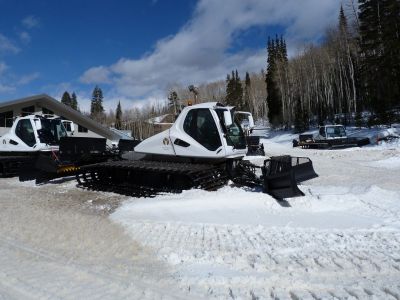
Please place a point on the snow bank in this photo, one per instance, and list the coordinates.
(322, 207)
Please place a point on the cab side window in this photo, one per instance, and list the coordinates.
(24, 131)
(200, 125)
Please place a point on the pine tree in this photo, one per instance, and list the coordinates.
(306, 119)
(238, 91)
(118, 116)
(358, 120)
(173, 100)
(247, 91)
(74, 101)
(380, 50)
(96, 105)
(230, 90)
(66, 99)
(234, 90)
(283, 49)
(273, 98)
(391, 43)
(298, 117)
(343, 28)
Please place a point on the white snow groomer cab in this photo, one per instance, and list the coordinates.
(29, 137)
(31, 149)
(32, 134)
(204, 148)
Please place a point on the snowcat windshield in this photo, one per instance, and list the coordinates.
(234, 133)
(51, 132)
(235, 136)
(333, 132)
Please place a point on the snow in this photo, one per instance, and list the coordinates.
(56, 242)
(340, 241)
(332, 208)
(387, 163)
(158, 120)
(374, 134)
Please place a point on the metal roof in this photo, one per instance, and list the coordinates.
(61, 109)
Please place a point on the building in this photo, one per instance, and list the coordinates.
(45, 105)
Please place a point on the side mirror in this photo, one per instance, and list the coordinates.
(227, 118)
(251, 122)
(38, 124)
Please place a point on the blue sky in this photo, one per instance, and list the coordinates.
(135, 50)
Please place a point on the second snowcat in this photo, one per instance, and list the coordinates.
(329, 137)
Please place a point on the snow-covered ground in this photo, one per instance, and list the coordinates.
(342, 240)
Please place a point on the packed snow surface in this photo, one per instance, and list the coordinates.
(387, 163)
(340, 241)
(332, 208)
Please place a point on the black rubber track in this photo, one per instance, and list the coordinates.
(149, 178)
(9, 165)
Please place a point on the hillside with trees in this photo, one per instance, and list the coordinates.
(351, 76)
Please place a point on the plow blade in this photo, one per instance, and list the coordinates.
(303, 168)
(282, 173)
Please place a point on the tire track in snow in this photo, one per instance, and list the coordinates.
(42, 274)
(256, 262)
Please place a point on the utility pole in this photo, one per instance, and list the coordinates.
(195, 92)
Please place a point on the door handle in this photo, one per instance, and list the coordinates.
(181, 143)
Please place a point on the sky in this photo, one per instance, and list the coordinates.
(136, 50)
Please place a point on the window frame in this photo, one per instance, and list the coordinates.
(198, 133)
(21, 137)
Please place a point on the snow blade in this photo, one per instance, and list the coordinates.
(279, 179)
(303, 168)
(282, 173)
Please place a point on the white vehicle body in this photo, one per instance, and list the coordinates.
(32, 134)
(201, 131)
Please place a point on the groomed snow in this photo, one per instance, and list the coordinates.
(387, 163)
(322, 207)
(342, 240)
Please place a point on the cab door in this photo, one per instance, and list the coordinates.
(198, 135)
(25, 137)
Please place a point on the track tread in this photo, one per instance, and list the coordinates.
(100, 177)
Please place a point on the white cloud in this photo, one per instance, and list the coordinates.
(3, 67)
(25, 37)
(96, 75)
(9, 82)
(7, 46)
(25, 79)
(6, 88)
(31, 22)
(127, 103)
(199, 52)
